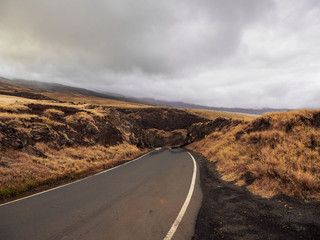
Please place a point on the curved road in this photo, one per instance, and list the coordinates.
(138, 200)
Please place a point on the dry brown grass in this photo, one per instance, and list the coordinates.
(7, 116)
(276, 153)
(52, 113)
(80, 117)
(13, 104)
(20, 171)
(212, 115)
(8, 100)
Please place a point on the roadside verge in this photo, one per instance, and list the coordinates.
(232, 212)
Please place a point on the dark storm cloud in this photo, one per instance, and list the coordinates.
(245, 53)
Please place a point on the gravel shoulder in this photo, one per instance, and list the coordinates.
(232, 212)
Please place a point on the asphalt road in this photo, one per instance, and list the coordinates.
(139, 200)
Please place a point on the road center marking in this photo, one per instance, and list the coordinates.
(185, 205)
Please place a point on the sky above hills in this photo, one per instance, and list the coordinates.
(227, 53)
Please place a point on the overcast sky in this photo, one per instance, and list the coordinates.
(227, 53)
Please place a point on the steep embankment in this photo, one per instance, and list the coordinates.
(275, 153)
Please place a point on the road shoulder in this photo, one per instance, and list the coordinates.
(232, 212)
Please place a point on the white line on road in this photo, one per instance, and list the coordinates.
(49, 190)
(185, 205)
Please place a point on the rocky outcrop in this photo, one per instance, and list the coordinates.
(165, 127)
(161, 138)
(167, 119)
(66, 126)
(198, 131)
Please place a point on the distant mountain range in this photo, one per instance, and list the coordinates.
(60, 88)
(55, 87)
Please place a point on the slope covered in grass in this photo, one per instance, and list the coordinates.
(272, 154)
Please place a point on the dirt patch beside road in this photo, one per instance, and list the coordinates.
(232, 212)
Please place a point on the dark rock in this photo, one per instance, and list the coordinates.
(260, 124)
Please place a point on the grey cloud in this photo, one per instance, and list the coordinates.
(215, 52)
(154, 36)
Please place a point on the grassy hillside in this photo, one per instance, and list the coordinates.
(272, 154)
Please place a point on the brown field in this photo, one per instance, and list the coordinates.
(212, 115)
(272, 154)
